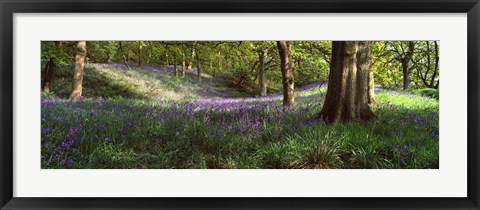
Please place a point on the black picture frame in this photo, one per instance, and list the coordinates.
(9, 7)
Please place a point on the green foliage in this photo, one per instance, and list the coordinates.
(386, 63)
(60, 51)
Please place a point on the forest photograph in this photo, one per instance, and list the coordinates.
(140, 104)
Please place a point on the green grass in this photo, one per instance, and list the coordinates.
(116, 81)
(143, 118)
(157, 139)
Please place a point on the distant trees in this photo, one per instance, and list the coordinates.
(284, 50)
(80, 55)
(426, 62)
(403, 52)
(347, 93)
(247, 65)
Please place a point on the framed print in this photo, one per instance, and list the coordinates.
(239, 105)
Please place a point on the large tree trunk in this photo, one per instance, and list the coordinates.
(405, 68)
(347, 94)
(78, 73)
(48, 75)
(262, 82)
(284, 49)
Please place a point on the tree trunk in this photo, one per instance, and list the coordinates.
(219, 61)
(149, 56)
(405, 62)
(78, 73)
(406, 77)
(262, 82)
(371, 88)
(435, 70)
(347, 94)
(175, 69)
(199, 69)
(140, 54)
(125, 57)
(166, 62)
(192, 58)
(49, 75)
(284, 48)
(183, 64)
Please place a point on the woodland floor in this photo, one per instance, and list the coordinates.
(147, 118)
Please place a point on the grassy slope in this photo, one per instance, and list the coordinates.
(195, 127)
(146, 82)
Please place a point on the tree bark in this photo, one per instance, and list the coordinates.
(262, 82)
(175, 69)
(199, 69)
(183, 64)
(192, 58)
(125, 57)
(166, 62)
(284, 49)
(139, 54)
(405, 68)
(81, 53)
(347, 94)
(435, 70)
(371, 87)
(48, 75)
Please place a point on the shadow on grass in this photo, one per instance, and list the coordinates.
(95, 84)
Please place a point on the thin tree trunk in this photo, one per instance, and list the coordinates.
(192, 58)
(183, 65)
(262, 82)
(347, 94)
(428, 66)
(435, 70)
(78, 73)
(284, 49)
(199, 69)
(166, 62)
(125, 57)
(175, 69)
(219, 61)
(149, 55)
(140, 54)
